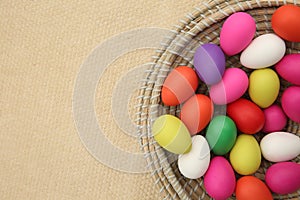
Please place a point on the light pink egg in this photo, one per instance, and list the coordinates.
(290, 102)
(232, 86)
(283, 177)
(289, 68)
(275, 119)
(237, 32)
(219, 180)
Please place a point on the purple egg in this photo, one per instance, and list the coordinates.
(209, 63)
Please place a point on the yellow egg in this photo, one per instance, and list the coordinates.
(263, 87)
(171, 133)
(245, 156)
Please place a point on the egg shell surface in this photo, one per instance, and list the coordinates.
(284, 177)
(171, 133)
(209, 63)
(180, 84)
(280, 146)
(275, 119)
(290, 102)
(219, 179)
(232, 86)
(257, 55)
(237, 32)
(197, 112)
(195, 163)
(289, 68)
(286, 24)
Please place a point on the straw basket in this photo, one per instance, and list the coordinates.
(200, 26)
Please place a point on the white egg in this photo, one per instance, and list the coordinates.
(195, 163)
(264, 51)
(280, 146)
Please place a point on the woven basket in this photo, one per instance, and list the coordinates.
(198, 27)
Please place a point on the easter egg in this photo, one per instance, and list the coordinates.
(180, 84)
(257, 55)
(221, 134)
(232, 86)
(237, 32)
(170, 133)
(209, 63)
(197, 112)
(290, 102)
(195, 163)
(245, 156)
(250, 187)
(286, 24)
(289, 68)
(280, 146)
(275, 119)
(248, 117)
(283, 177)
(264, 87)
(219, 179)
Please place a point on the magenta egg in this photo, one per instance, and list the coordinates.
(290, 102)
(219, 180)
(237, 32)
(283, 177)
(289, 68)
(233, 85)
(275, 119)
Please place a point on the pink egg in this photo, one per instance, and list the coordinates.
(289, 68)
(283, 177)
(219, 180)
(275, 119)
(290, 102)
(232, 86)
(237, 32)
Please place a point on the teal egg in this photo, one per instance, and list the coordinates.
(221, 134)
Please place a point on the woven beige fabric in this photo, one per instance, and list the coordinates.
(42, 44)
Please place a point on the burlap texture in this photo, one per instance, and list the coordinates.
(42, 44)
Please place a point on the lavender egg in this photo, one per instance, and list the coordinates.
(209, 63)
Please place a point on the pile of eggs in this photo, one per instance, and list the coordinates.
(232, 135)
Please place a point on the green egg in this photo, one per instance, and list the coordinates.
(221, 134)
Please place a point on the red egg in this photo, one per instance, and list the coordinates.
(286, 23)
(197, 112)
(250, 188)
(179, 85)
(248, 117)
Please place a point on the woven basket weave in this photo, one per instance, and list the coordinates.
(198, 27)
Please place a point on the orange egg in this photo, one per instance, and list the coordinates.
(250, 188)
(286, 24)
(179, 85)
(197, 112)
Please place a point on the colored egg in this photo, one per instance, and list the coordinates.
(280, 146)
(221, 134)
(237, 32)
(195, 163)
(219, 179)
(275, 119)
(250, 187)
(283, 177)
(180, 84)
(245, 156)
(264, 87)
(285, 22)
(233, 85)
(209, 63)
(248, 117)
(289, 68)
(197, 112)
(290, 102)
(171, 134)
(257, 55)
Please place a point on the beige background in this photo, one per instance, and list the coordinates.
(42, 44)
